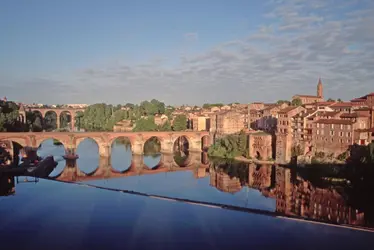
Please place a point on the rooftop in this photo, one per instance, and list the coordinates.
(286, 110)
(307, 96)
(334, 121)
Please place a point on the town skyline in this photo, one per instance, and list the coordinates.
(226, 53)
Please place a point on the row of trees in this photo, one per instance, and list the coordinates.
(102, 117)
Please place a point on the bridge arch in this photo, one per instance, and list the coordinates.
(65, 114)
(88, 149)
(50, 120)
(120, 153)
(186, 136)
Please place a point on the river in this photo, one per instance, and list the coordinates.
(221, 205)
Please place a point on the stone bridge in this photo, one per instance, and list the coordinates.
(58, 111)
(196, 162)
(196, 140)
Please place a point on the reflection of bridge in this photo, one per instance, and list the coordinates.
(58, 111)
(194, 162)
(104, 140)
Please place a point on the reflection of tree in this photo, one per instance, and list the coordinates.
(234, 169)
(180, 157)
(152, 147)
(123, 141)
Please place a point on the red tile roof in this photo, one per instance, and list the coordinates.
(307, 96)
(342, 104)
(324, 103)
(286, 110)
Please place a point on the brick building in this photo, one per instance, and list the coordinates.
(230, 122)
(308, 99)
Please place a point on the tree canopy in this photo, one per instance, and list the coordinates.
(210, 105)
(283, 101)
(296, 102)
(230, 146)
(8, 117)
(180, 123)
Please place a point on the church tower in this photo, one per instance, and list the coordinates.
(319, 89)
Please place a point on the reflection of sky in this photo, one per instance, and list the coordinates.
(174, 184)
(88, 152)
(48, 148)
(52, 215)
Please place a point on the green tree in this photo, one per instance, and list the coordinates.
(242, 142)
(165, 127)
(180, 123)
(330, 100)
(145, 124)
(283, 101)
(340, 100)
(78, 119)
(296, 102)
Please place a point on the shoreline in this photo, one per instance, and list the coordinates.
(246, 160)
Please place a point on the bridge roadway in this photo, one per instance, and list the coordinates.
(71, 140)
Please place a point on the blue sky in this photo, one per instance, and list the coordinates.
(184, 52)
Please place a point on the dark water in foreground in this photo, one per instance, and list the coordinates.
(50, 214)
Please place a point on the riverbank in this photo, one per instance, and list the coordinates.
(246, 160)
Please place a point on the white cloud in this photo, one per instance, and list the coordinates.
(305, 40)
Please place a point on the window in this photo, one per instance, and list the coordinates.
(318, 132)
(331, 133)
(341, 140)
(332, 139)
(322, 132)
(317, 125)
(322, 125)
(349, 134)
(349, 127)
(341, 126)
(332, 126)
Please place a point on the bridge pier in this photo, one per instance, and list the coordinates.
(105, 150)
(137, 163)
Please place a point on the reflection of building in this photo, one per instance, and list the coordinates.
(301, 198)
(259, 176)
(7, 186)
(224, 182)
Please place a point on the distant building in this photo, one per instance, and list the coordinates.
(307, 99)
(123, 126)
(161, 119)
(230, 122)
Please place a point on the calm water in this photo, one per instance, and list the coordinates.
(50, 214)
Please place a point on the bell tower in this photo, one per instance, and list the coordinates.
(320, 88)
